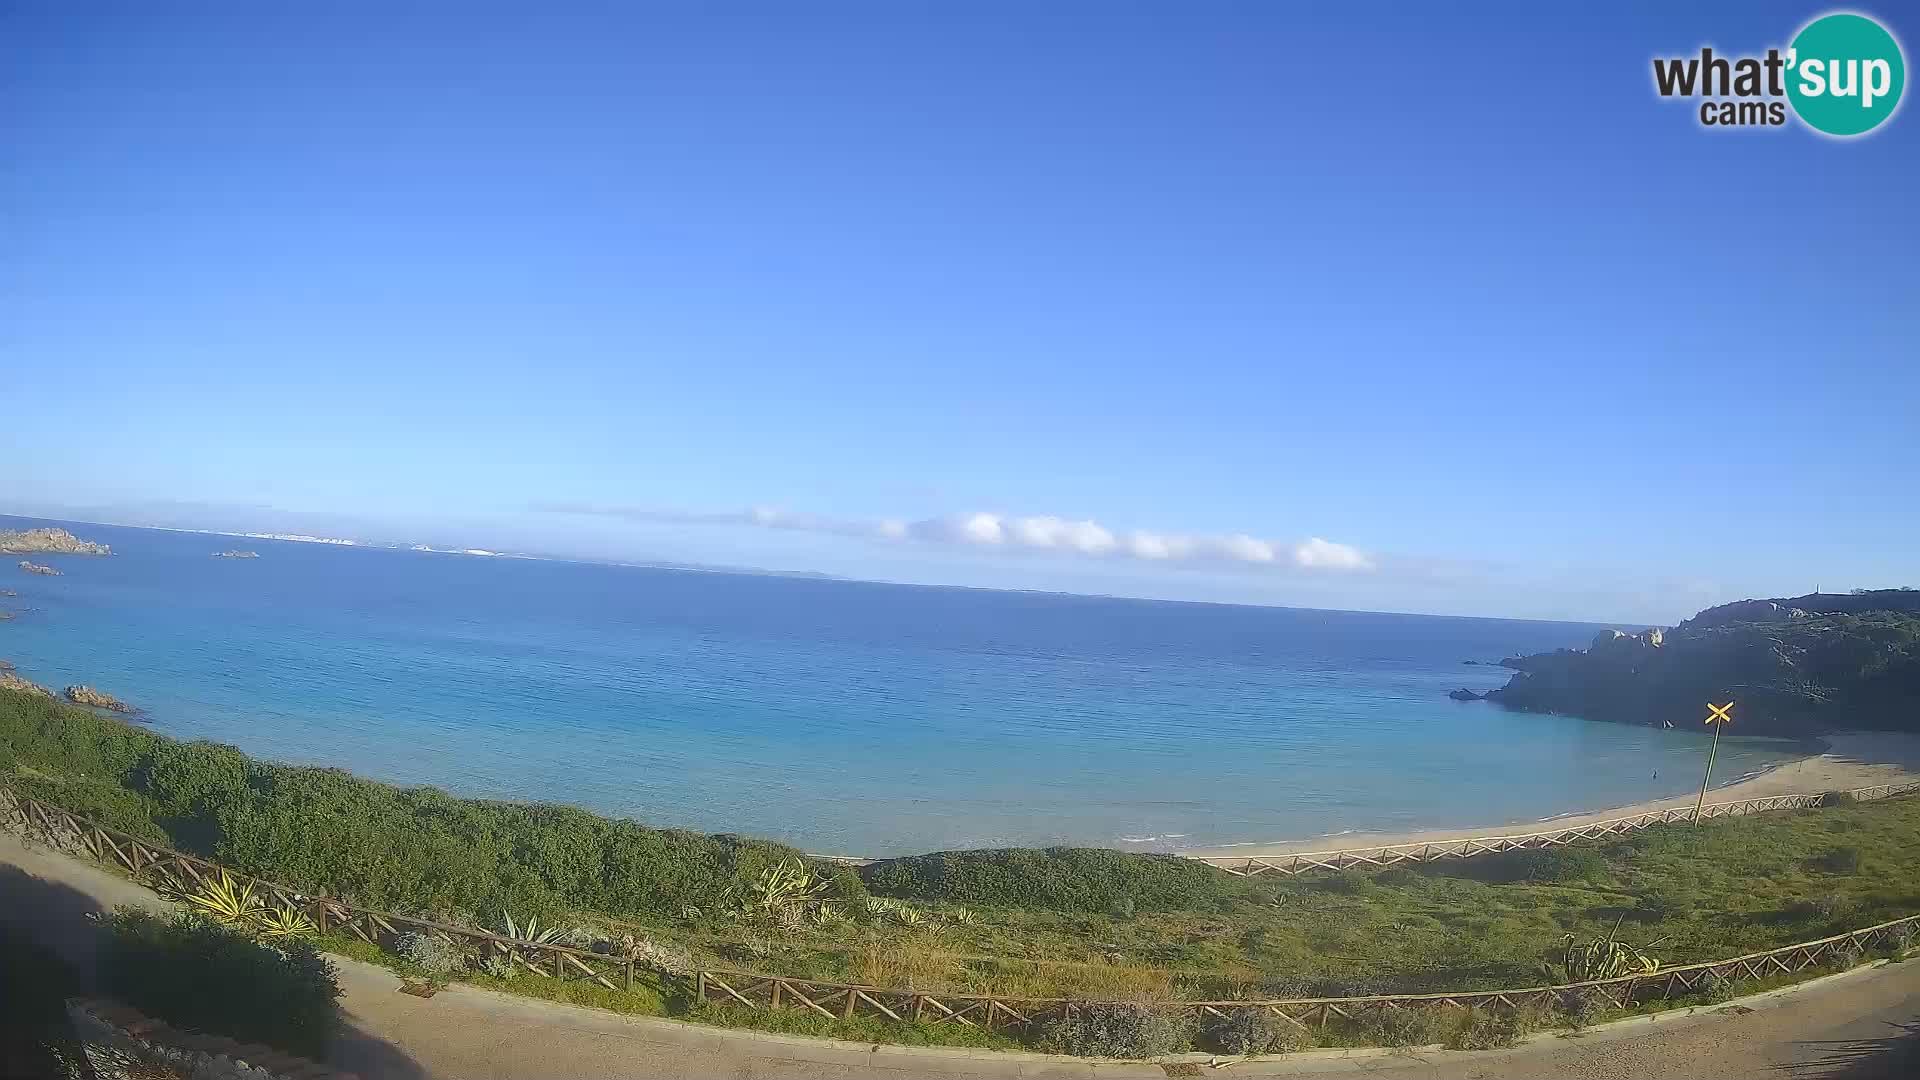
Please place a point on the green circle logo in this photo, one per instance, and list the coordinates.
(1845, 74)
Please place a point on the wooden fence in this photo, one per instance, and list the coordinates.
(848, 1000)
(170, 871)
(1464, 846)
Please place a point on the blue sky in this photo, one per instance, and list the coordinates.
(1457, 296)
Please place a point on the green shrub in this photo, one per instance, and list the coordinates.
(1715, 988)
(431, 954)
(326, 831)
(1251, 1031)
(1579, 1008)
(1349, 883)
(1837, 798)
(1846, 957)
(1495, 1030)
(1840, 860)
(200, 975)
(1091, 880)
(1112, 1029)
(1553, 865)
(1406, 1027)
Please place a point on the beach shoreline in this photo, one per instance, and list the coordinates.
(1851, 759)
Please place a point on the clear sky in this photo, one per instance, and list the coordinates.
(1341, 305)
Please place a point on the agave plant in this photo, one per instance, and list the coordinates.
(283, 922)
(785, 895)
(225, 900)
(531, 930)
(1605, 958)
(879, 908)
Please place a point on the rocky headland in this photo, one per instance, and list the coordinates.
(1793, 667)
(48, 541)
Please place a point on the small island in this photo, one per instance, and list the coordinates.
(87, 695)
(236, 554)
(38, 568)
(48, 542)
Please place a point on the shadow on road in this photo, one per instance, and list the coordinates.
(45, 927)
(1896, 1056)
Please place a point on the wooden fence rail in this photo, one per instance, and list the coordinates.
(847, 1000)
(1461, 847)
(170, 871)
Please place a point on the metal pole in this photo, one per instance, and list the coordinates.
(1711, 752)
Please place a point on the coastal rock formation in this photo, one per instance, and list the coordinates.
(236, 554)
(37, 568)
(1465, 695)
(10, 681)
(87, 695)
(49, 542)
(1793, 667)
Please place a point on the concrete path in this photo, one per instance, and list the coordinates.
(1862, 1026)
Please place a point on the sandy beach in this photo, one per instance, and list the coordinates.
(1852, 759)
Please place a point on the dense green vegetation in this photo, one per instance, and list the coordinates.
(1059, 879)
(202, 976)
(1796, 666)
(413, 850)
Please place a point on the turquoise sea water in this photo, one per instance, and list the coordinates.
(841, 716)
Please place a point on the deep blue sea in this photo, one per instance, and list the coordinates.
(845, 717)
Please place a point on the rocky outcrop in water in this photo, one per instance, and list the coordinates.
(1792, 667)
(236, 554)
(37, 568)
(1465, 695)
(48, 542)
(87, 695)
(10, 681)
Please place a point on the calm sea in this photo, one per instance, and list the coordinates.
(841, 716)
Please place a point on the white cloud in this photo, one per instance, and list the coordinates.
(1316, 552)
(1245, 548)
(1044, 532)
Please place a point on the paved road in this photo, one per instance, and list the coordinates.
(1865, 1026)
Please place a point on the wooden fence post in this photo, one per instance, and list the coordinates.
(627, 975)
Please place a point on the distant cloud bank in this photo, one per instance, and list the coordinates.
(1005, 532)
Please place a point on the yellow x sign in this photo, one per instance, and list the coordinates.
(1717, 714)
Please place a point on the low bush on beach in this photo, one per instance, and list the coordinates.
(1113, 1029)
(1252, 1031)
(1117, 883)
